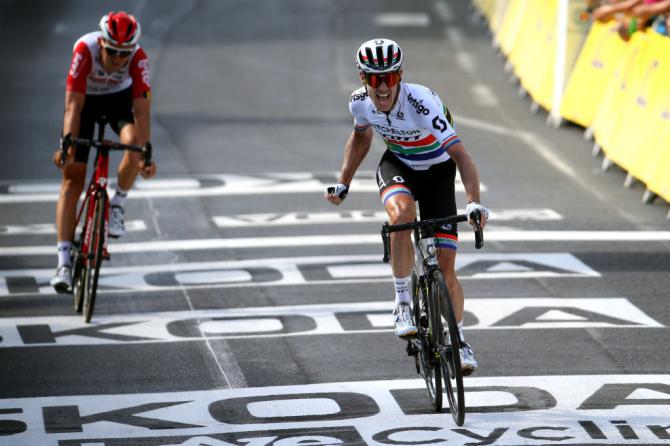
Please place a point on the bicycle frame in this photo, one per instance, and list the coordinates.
(98, 182)
(436, 351)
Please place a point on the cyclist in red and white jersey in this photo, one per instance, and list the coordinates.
(423, 153)
(109, 76)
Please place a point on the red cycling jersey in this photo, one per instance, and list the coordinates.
(88, 77)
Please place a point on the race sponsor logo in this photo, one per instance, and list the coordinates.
(76, 65)
(358, 96)
(397, 134)
(439, 124)
(144, 71)
(559, 410)
(327, 319)
(418, 105)
(297, 271)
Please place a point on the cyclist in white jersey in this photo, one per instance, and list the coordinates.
(423, 153)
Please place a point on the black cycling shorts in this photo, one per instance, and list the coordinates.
(117, 108)
(432, 188)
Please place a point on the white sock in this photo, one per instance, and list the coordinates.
(460, 331)
(64, 253)
(119, 197)
(402, 295)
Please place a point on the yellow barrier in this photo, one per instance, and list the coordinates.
(652, 164)
(631, 113)
(528, 36)
(609, 115)
(510, 25)
(621, 90)
(593, 71)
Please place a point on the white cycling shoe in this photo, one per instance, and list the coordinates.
(468, 361)
(62, 281)
(117, 227)
(402, 321)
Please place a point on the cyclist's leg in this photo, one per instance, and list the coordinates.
(74, 175)
(130, 164)
(122, 122)
(437, 199)
(447, 261)
(396, 195)
(395, 188)
(72, 185)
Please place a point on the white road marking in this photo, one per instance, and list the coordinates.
(293, 271)
(209, 186)
(50, 228)
(398, 19)
(502, 410)
(444, 11)
(360, 216)
(455, 36)
(466, 61)
(347, 239)
(483, 95)
(528, 313)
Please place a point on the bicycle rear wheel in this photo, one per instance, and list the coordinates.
(449, 348)
(94, 256)
(77, 257)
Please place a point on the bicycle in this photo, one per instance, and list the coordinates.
(436, 359)
(90, 249)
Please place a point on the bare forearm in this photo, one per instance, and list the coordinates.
(470, 178)
(74, 103)
(142, 112)
(355, 151)
(468, 171)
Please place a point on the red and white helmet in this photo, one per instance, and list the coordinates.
(379, 56)
(120, 28)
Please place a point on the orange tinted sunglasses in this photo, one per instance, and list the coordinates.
(375, 79)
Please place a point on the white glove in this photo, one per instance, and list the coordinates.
(474, 206)
(341, 190)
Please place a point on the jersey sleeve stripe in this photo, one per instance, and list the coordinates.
(450, 142)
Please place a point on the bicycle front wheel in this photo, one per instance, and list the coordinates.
(449, 349)
(427, 366)
(94, 257)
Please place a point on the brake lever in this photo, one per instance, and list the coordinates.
(385, 240)
(148, 150)
(479, 233)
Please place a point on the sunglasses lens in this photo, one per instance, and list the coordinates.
(375, 80)
(115, 52)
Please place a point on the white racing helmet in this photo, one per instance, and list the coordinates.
(379, 56)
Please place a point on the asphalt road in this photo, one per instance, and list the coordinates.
(242, 308)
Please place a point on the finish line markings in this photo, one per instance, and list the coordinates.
(208, 185)
(348, 239)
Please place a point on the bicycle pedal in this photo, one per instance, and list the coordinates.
(411, 349)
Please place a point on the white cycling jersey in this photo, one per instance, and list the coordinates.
(416, 130)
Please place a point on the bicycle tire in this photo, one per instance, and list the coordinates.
(436, 334)
(97, 243)
(77, 275)
(450, 359)
(425, 363)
